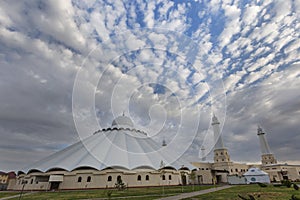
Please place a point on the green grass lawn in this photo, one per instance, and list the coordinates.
(268, 193)
(7, 194)
(144, 193)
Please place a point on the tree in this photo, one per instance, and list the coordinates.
(192, 176)
(119, 184)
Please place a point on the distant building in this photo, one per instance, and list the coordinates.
(5, 178)
(222, 167)
(123, 152)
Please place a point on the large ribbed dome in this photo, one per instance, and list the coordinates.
(122, 121)
(120, 145)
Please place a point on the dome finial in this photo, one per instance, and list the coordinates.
(122, 121)
(164, 143)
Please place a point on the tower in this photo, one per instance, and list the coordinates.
(203, 156)
(266, 156)
(221, 154)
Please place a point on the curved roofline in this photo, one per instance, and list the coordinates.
(34, 170)
(184, 168)
(116, 167)
(84, 168)
(53, 169)
(168, 167)
(144, 167)
(20, 172)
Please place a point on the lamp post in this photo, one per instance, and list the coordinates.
(23, 182)
(182, 173)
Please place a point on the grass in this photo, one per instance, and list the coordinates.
(132, 193)
(267, 193)
(7, 194)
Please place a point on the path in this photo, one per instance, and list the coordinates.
(192, 194)
(16, 196)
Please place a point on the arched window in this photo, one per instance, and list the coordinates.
(79, 179)
(147, 177)
(88, 179)
(109, 178)
(170, 177)
(119, 178)
(139, 178)
(31, 181)
(163, 177)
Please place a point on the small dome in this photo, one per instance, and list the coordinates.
(122, 121)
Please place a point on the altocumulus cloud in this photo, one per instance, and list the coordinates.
(187, 59)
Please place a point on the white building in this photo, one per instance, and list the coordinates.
(123, 152)
(117, 152)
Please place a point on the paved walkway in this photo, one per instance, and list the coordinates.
(16, 196)
(192, 194)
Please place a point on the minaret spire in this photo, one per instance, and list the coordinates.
(266, 156)
(220, 152)
(203, 156)
(217, 135)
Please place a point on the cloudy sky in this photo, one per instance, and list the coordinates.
(69, 67)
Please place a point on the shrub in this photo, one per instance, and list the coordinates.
(294, 197)
(120, 185)
(296, 187)
(244, 198)
(262, 184)
(241, 197)
(286, 183)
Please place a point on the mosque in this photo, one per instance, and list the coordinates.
(223, 167)
(122, 152)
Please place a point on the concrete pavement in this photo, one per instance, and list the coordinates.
(192, 194)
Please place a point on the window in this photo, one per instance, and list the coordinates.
(31, 182)
(206, 168)
(221, 153)
(88, 179)
(170, 177)
(79, 179)
(231, 170)
(216, 154)
(109, 178)
(147, 177)
(236, 170)
(163, 177)
(119, 178)
(222, 159)
(139, 178)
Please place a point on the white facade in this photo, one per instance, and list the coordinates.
(97, 162)
(255, 175)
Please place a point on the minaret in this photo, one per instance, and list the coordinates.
(266, 156)
(203, 156)
(220, 152)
